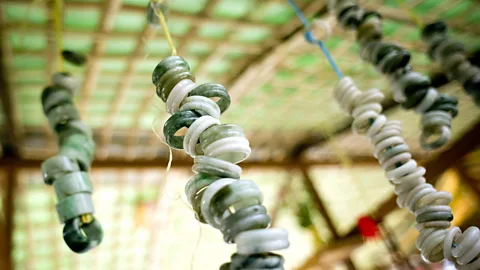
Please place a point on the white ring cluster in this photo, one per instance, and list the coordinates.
(430, 206)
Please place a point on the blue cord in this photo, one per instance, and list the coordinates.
(311, 39)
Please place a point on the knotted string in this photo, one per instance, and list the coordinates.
(309, 37)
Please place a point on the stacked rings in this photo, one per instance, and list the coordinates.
(430, 207)
(67, 171)
(452, 58)
(411, 89)
(216, 193)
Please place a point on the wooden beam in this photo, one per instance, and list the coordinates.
(317, 201)
(9, 102)
(109, 9)
(12, 161)
(349, 264)
(6, 233)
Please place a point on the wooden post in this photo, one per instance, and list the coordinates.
(310, 187)
(6, 223)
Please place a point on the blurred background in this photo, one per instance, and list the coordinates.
(318, 178)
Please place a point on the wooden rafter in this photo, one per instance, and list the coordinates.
(109, 10)
(317, 202)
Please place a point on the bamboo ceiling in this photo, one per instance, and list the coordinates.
(281, 90)
(224, 41)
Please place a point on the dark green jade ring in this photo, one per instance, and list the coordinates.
(178, 121)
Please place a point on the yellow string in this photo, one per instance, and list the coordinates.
(163, 22)
(58, 5)
(416, 19)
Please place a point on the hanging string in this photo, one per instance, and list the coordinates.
(169, 164)
(58, 6)
(163, 22)
(345, 160)
(311, 39)
(166, 32)
(416, 19)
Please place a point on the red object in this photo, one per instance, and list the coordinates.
(368, 228)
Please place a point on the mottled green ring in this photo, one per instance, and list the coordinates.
(178, 121)
(171, 78)
(211, 90)
(61, 114)
(167, 64)
(53, 96)
(218, 132)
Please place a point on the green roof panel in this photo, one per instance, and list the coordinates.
(28, 62)
(457, 9)
(22, 13)
(28, 42)
(120, 46)
(82, 19)
(112, 65)
(123, 121)
(212, 30)
(187, 6)
(178, 27)
(77, 43)
(127, 21)
(274, 12)
(233, 9)
(199, 48)
(252, 34)
(157, 46)
(426, 6)
(219, 67)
